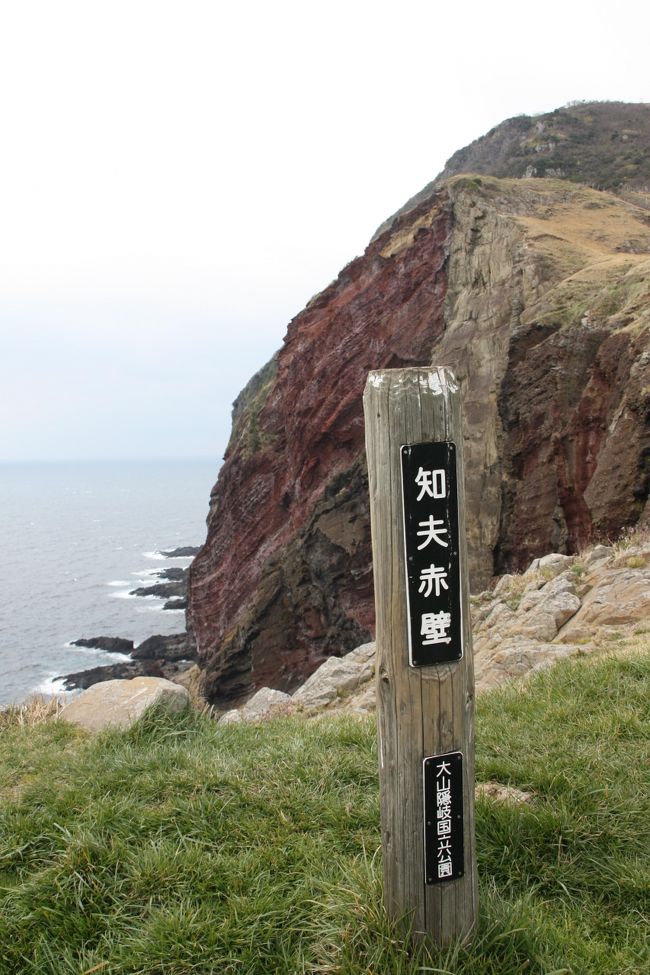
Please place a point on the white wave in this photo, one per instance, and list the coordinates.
(158, 600)
(103, 655)
(141, 581)
(119, 582)
(52, 686)
(97, 652)
(169, 558)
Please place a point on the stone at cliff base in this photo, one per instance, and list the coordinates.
(621, 597)
(515, 659)
(192, 679)
(119, 703)
(598, 553)
(266, 703)
(334, 677)
(551, 565)
(231, 717)
(363, 654)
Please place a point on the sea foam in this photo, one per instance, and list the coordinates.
(53, 686)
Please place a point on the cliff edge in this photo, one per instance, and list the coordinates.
(536, 293)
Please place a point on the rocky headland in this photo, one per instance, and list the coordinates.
(525, 268)
(536, 292)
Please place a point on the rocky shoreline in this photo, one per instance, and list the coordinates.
(172, 587)
(160, 655)
(597, 602)
(562, 605)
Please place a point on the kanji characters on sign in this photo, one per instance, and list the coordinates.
(433, 483)
(433, 575)
(443, 817)
(432, 532)
(431, 537)
(434, 628)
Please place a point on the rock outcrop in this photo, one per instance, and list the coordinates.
(111, 644)
(537, 294)
(560, 606)
(167, 656)
(119, 703)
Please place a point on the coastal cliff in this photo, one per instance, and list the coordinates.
(537, 294)
(284, 579)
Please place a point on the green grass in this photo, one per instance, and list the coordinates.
(182, 847)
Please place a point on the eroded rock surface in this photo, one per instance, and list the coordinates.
(531, 293)
(559, 607)
(284, 579)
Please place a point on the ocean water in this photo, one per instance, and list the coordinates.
(74, 539)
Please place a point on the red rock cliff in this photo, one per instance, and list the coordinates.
(538, 296)
(284, 578)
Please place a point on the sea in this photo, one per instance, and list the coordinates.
(75, 540)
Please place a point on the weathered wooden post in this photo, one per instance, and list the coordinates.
(425, 674)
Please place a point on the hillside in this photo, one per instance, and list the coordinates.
(604, 145)
(600, 144)
(182, 846)
(537, 294)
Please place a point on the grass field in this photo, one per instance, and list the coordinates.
(182, 847)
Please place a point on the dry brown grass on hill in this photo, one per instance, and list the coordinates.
(34, 711)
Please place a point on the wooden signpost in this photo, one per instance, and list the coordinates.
(425, 676)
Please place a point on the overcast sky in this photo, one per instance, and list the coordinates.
(177, 179)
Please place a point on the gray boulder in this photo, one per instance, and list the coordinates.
(265, 703)
(119, 703)
(335, 677)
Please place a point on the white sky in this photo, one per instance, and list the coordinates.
(178, 178)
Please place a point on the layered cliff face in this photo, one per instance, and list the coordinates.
(548, 328)
(537, 294)
(284, 579)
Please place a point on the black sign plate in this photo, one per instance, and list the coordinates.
(444, 854)
(430, 497)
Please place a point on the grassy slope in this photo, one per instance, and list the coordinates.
(184, 847)
(590, 249)
(599, 144)
(602, 144)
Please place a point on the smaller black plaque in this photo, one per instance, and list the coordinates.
(444, 850)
